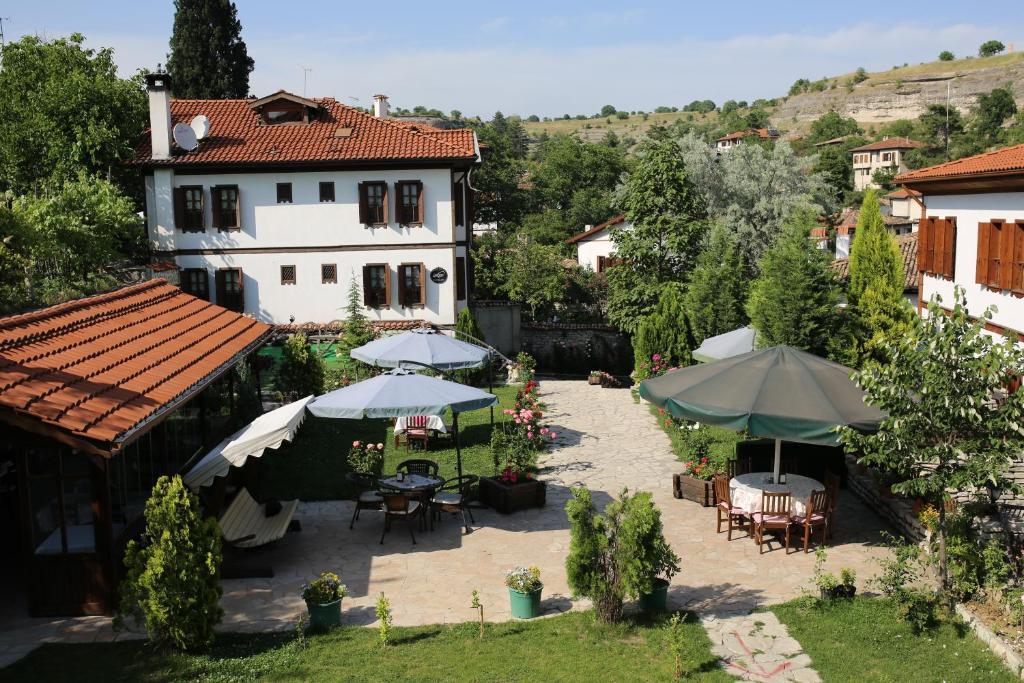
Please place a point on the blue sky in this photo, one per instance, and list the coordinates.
(547, 58)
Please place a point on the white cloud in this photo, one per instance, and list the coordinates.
(555, 80)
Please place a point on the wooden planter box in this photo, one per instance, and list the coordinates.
(594, 379)
(506, 497)
(692, 488)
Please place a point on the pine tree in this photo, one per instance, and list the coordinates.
(208, 57)
(794, 300)
(468, 330)
(876, 305)
(665, 331)
(717, 291)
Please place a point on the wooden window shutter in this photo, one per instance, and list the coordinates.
(924, 244)
(219, 279)
(179, 208)
(423, 282)
(385, 202)
(387, 286)
(367, 290)
(460, 277)
(469, 206)
(983, 260)
(938, 245)
(1005, 245)
(364, 211)
(215, 199)
(1017, 280)
(420, 205)
(949, 247)
(238, 208)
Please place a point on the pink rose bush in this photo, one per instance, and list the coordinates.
(366, 458)
(516, 442)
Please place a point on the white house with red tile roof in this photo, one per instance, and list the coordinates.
(886, 154)
(727, 142)
(594, 246)
(288, 198)
(972, 233)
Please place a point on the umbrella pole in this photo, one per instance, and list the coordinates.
(778, 459)
(458, 450)
(490, 385)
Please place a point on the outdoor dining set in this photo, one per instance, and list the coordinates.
(760, 503)
(414, 494)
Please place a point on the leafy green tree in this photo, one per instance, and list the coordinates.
(666, 217)
(666, 330)
(500, 198)
(64, 111)
(172, 576)
(946, 56)
(301, 370)
(208, 57)
(951, 425)
(831, 125)
(531, 273)
(990, 48)
(717, 291)
(618, 554)
(991, 111)
(608, 110)
(860, 75)
(794, 300)
(884, 177)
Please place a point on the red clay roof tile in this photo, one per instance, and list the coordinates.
(98, 367)
(237, 135)
(1003, 160)
(890, 143)
(600, 227)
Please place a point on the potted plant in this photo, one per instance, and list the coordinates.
(694, 482)
(654, 560)
(515, 446)
(366, 458)
(323, 599)
(524, 589)
(830, 586)
(594, 377)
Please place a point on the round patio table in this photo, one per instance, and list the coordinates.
(411, 482)
(746, 490)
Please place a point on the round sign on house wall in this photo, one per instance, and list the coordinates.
(439, 276)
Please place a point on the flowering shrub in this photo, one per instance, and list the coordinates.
(657, 366)
(366, 458)
(527, 365)
(516, 442)
(524, 579)
(324, 589)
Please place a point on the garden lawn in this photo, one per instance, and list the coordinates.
(313, 467)
(867, 640)
(569, 647)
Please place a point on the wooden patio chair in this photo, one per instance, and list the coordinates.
(416, 431)
(738, 466)
(774, 515)
(453, 496)
(399, 506)
(734, 517)
(367, 496)
(815, 518)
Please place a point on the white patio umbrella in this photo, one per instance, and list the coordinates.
(425, 346)
(269, 430)
(402, 392)
(725, 345)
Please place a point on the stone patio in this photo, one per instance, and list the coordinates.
(606, 442)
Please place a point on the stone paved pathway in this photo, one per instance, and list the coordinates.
(606, 442)
(757, 647)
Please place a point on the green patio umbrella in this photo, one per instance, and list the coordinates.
(780, 393)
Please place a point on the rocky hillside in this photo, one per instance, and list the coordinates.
(904, 93)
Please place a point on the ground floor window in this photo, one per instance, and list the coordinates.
(411, 285)
(376, 285)
(229, 289)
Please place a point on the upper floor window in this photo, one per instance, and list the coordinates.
(373, 203)
(188, 208)
(409, 202)
(226, 213)
(329, 273)
(287, 275)
(936, 246)
(1000, 261)
(458, 202)
(196, 281)
(230, 292)
(284, 193)
(376, 285)
(412, 287)
(327, 191)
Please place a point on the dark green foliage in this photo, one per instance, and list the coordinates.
(665, 331)
(990, 48)
(794, 300)
(467, 330)
(618, 554)
(358, 330)
(832, 125)
(247, 405)
(64, 111)
(608, 110)
(172, 581)
(860, 75)
(946, 56)
(992, 110)
(301, 370)
(208, 57)
(500, 199)
(717, 291)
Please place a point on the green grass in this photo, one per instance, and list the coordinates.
(313, 467)
(570, 647)
(867, 640)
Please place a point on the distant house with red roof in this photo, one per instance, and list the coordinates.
(727, 142)
(972, 234)
(886, 154)
(594, 246)
(287, 199)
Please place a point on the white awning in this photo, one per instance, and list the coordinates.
(269, 430)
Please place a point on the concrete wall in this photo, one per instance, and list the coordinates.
(501, 324)
(969, 210)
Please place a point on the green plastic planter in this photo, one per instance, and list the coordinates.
(326, 615)
(525, 605)
(657, 599)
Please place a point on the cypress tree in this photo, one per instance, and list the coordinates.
(874, 256)
(794, 300)
(718, 287)
(666, 331)
(468, 330)
(208, 57)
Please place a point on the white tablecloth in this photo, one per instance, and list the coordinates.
(434, 422)
(746, 489)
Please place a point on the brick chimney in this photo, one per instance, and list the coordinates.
(380, 106)
(158, 86)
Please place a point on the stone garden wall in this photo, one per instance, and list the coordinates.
(576, 349)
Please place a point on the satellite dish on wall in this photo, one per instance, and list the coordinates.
(200, 126)
(185, 137)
